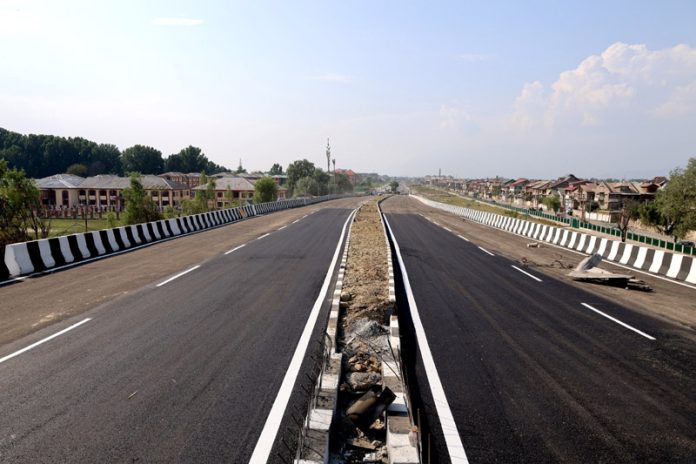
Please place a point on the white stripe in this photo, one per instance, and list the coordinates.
(235, 249)
(486, 251)
(527, 274)
(618, 321)
(453, 441)
(281, 228)
(264, 235)
(268, 435)
(51, 337)
(179, 275)
(463, 238)
(447, 229)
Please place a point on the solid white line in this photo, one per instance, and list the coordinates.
(179, 275)
(268, 435)
(463, 238)
(618, 321)
(51, 337)
(453, 441)
(264, 235)
(235, 249)
(486, 251)
(527, 274)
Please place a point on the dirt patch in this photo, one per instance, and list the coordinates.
(363, 337)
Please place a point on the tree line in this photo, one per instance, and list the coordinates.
(45, 155)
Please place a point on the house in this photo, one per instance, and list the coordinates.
(230, 189)
(352, 176)
(516, 190)
(192, 179)
(60, 190)
(536, 191)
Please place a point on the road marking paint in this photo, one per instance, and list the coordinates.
(453, 440)
(447, 228)
(44, 340)
(263, 447)
(649, 337)
(281, 228)
(235, 249)
(179, 275)
(486, 251)
(264, 235)
(295, 221)
(527, 274)
(463, 238)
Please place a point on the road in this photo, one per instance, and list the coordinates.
(180, 370)
(531, 370)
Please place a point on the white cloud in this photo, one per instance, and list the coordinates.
(330, 77)
(451, 116)
(177, 22)
(623, 78)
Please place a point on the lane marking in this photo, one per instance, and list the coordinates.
(44, 340)
(463, 238)
(281, 228)
(527, 274)
(447, 228)
(179, 275)
(264, 235)
(268, 435)
(453, 441)
(235, 249)
(649, 337)
(295, 221)
(486, 251)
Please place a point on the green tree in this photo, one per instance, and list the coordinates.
(240, 169)
(676, 202)
(307, 186)
(276, 170)
(19, 208)
(265, 190)
(139, 205)
(552, 202)
(322, 181)
(629, 211)
(393, 185)
(297, 170)
(343, 184)
(77, 169)
(189, 159)
(142, 159)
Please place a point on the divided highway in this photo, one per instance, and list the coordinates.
(185, 369)
(533, 369)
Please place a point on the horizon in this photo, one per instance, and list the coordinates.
(535, 90)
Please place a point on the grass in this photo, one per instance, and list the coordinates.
(65, 226)
(455, 200)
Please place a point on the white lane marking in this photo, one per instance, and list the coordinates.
(486, 251)
(264, 235)
(447, 228)
(527, 274)
(453, 441)
(44, 340)
(649, 337)
(463, 238)
(281, 228)
(179, 275)
(268, 435)
(235, 249)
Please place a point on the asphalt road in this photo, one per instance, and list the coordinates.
(182, 372)
(533, 375)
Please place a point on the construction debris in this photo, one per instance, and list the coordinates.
(587, 271)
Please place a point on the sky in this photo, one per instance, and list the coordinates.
(476, 89)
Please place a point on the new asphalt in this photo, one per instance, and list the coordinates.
(182, 372)
(531, 374)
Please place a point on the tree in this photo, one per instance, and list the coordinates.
(77, 169)
(297, 170)
(105, 159)
(139, 205)
(394, 185)
(276, 170)
(305, 187)
(142, 159)
(189, 159)
(629, 211)
(676, 202)
(322, 178)
(265, 190)
(343, 184)
(552, 202)
(19, 207)
(240, 169)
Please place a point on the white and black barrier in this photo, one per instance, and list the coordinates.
(42, 255)
(660, 262)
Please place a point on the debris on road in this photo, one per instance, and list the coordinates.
(587, 271)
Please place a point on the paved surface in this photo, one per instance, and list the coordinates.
(184, 372)
(532, 375)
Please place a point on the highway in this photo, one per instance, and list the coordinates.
(185, 368)
(533, 369)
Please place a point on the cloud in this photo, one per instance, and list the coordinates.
(474, 57)
(177, 22)
(622, 79)
(330, 77)
(451, 116)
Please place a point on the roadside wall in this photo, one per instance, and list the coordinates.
(674, 266)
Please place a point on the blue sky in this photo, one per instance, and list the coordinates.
(535, 89)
